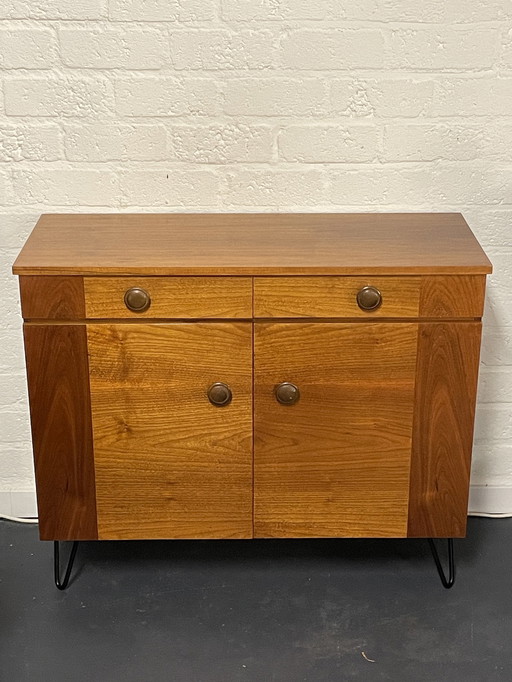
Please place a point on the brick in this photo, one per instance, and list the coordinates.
(14, 427)
(493, 227)
(169, 188)
(387, 98)
(30, 143)
(53, 9)
(495, 385)
(275, 97)
(491, 464)
(499, 284)
(276, 189)
(496, 345)
(274, 10)
(148, 96)
(467, 96)
(444, 48)
(66, 187)
(329, 144)
(162, 10)
(58, 97)
(111, 48)
(428, 187)
(3, 188)
(15, 229)
(505, 60)
(333, 49)
(493, 421)
(222, 49)
(27, 49)
(429, 11)
(114, 142)
(428, 142)
(226, 143)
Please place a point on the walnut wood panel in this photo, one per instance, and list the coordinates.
(334, 296)
(448, 355)
(59, 298)
(178, 297)
(260, 244)
(58, 385)
(336, 463)
(168, 463)
(452, 296)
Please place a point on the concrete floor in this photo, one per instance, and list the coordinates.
(257, 611)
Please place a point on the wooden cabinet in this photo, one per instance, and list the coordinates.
(237, 376)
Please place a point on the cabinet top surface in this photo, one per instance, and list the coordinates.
(252, 244)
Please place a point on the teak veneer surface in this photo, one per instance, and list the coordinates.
(171, 297)
(447, 373)
(336, 463)
(168, 463)
(60, 415)
(259, 244)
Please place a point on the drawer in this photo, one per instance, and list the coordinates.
(336, 296)
(394, 297)
(168, 297)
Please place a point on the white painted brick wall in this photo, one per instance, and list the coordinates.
(233, 105)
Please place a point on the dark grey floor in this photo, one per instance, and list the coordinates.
(257, 611)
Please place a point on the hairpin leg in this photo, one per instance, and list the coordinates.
(447, 582)
(61, 585)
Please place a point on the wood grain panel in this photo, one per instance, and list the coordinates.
(171, 297)
(452, 296)
(335, 464)
(168, 463)
(58, 386)
(448, 355)
(334, 296)
(58, 298)
(252, 243)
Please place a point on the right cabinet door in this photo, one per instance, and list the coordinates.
(336, 462)
(378, 443)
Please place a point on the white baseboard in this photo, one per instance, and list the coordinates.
(20, 503)
(483, 499)
(490, 499)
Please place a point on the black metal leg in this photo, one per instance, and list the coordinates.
(61, 585)
(447, 582)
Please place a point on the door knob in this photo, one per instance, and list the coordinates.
(219, 394)
(369, 298)
(136, 299)
(287, 393)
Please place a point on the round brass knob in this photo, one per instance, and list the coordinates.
(219, 394)
(136, 299)
(287, 394)
(369, 298)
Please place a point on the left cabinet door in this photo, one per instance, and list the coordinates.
(169, 463)
(127, 444)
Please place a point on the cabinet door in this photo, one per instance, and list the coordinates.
(337, 462)
(168, 463)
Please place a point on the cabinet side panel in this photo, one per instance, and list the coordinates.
(60, 412)
(447, 373)
(54, 298)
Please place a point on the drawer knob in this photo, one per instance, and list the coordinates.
(219, 394)
(287, 393)
(136, 299)
(369, 298)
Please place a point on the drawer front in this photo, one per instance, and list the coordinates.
(450, 296)
(335, 296)
(168, 297)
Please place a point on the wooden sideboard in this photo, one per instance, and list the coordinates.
(255, 375)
